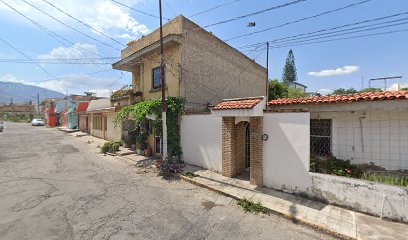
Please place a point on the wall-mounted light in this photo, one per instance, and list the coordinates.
(265, 137)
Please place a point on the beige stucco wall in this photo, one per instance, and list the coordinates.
(172, 27)
(94, 132)
(203, 69)
(142, 75)
(113, 133)
(212, 70)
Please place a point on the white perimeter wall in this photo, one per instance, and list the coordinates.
(370, 136)
(201, 141)
(286, 152)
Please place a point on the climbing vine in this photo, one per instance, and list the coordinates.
(139, 112)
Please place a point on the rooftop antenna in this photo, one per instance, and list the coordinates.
(385, 80)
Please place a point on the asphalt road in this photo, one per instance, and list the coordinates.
(53, 186)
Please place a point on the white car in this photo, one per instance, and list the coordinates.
(37, 122)
(1, 126)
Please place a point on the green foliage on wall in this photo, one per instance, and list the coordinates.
(139, 112)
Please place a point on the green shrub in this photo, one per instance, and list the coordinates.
(387, 179)
(315, 165)
(334, 166)
(250, 206)
(111, 147)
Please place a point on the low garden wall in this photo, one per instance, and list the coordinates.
(364, 196)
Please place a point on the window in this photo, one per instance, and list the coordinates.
(156, 80)
(320, 137)
(97, 123)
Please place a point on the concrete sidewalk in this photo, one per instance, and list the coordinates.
(346, 223)
(68, 130)
(124, 153)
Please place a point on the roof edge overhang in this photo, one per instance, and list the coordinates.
(127, 63)
(102, 110)
(256, 111)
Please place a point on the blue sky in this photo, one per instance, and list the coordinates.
(354, 59)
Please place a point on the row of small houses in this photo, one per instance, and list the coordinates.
(229, 129)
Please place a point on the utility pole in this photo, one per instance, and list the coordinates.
(163, 87)
(267, 74)
(38, 103)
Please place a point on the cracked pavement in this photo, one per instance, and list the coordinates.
(54, 186)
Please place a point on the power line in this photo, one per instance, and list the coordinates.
(341, 34)
(345, 31)
(330, 29)
(63, 59)
(68, 26)
(256, 13)
(213, 8)
(82, 22)
(344, 38)
(301, 19)
(26, 56)
(136, 10)
(49, 32)
(238, 75)
(62, 63)
(171, 9)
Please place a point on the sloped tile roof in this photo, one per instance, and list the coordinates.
(238, 104)
(359, 97)
(82, 106)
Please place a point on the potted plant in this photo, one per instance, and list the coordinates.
(141, 143)
(124, 143)
(148, 151)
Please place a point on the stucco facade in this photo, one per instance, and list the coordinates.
(199, 66)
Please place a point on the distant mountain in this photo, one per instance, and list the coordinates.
(22, 93)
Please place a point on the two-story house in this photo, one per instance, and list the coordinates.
(199, 67)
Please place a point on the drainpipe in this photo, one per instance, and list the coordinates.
(361, 132)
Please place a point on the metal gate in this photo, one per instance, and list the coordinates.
(320, 137)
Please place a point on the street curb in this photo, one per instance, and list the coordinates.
(293, 219)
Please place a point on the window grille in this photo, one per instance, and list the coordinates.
(320, 137)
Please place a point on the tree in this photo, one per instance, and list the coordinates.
(371, 90)
(342, 91)
(289, 71)
(296, 93)
(276, 90)
(404, 89)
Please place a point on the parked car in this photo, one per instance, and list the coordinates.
(37, 122)
(1, 126)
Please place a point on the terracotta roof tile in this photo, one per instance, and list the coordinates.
(369, 96)
(238, 104)
(82, 106)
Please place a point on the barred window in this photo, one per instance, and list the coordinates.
(320, 137)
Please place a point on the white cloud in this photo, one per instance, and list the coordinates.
(103, 15)
(394, 86)
(335, 72)
(72, 84)
(79, 50)
(325, 91)
(102, 92)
